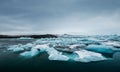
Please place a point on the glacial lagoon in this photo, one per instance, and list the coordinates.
(64, 53)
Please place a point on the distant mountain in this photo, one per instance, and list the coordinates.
(32, 36)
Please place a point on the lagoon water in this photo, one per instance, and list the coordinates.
(12, 62)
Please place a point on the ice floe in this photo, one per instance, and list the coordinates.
(20, 47)
(88, 56)
(16, 48)
(63, 48)
(31, 53)
(74, 46)
(100, 48)
(113, 43)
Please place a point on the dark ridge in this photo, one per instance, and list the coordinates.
(31, 36)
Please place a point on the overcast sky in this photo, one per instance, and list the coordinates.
(60, 16)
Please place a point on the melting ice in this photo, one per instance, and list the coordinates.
(75, 48)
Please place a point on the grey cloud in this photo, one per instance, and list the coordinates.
(59, 16)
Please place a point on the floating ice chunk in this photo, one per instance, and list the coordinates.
(28, 46)
(55, 55)
(16, 48)
(113, 43)
(57, 47)
(77, 46)
(88, 41)
(71, 56)
(20, 47)
(35, 50)
(73, 46)
(51, 51)
(94, 39)
(31, 53)
(113, 37)
(88, 56)
(42, 48)
(100, 48)
(26, 54)
(58, 57)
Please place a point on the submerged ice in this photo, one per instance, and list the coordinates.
(63, 48)
(100, 48)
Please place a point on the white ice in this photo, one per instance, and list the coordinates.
(91, 49)
(77, 45)
(88, 56)
(31, 53)
(16, 48)
(53, 54)
(20, 47)
(112, 43)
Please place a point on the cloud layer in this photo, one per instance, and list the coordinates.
(59, 16)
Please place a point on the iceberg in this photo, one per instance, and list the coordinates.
(20, 47)
(84, 55)
(82, 49)
(53, 54)
(113, 38)
(88, 56)
(16, 48)
(58, 56)
(89, 41)
(42, 48)
(113, 43)
(31, 53)
(100, 48)
(70, 48)
(74, 46)
(34, 51)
